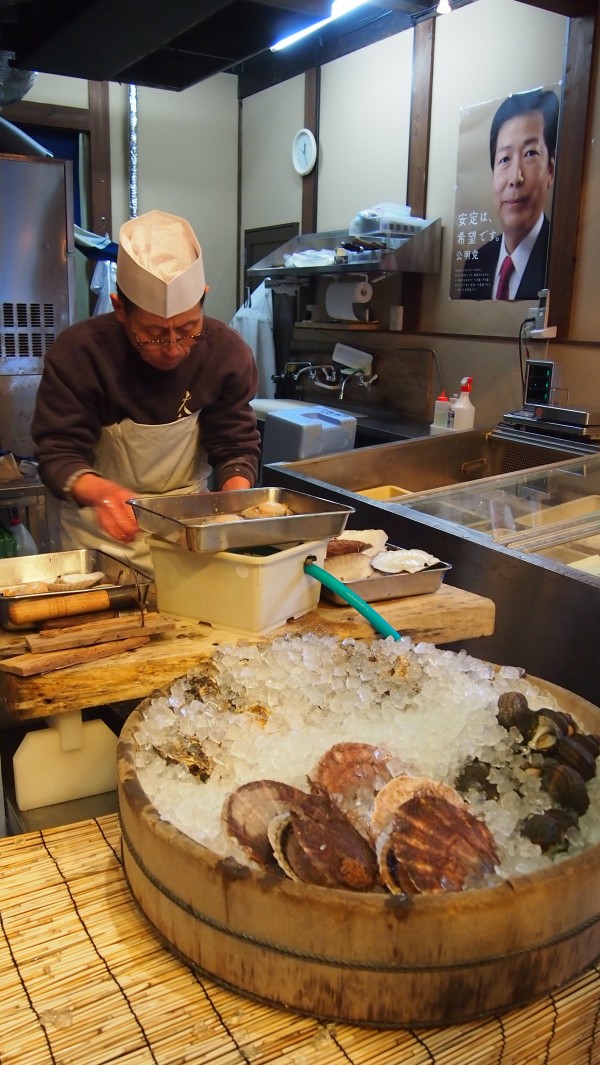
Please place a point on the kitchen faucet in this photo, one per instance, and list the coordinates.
(329, 372)
(359, 377)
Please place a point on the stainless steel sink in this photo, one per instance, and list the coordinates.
(435, 462)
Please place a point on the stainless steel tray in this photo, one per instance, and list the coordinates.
(179, 519)
(393, 585)
(55, 564)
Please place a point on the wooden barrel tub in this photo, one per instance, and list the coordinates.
(368, 959)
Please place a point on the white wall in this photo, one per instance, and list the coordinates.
(271, 189)
(364, 130)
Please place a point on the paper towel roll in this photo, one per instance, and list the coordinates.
(341, 297)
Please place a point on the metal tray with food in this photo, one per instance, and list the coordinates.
(77, 574)
(252, 517)
(381, 586)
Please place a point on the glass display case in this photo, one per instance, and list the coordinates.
(518, 523)
(552, 511)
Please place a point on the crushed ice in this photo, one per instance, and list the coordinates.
(432, 709)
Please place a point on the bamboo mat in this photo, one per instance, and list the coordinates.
(85, 981)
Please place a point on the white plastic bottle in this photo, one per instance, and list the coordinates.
(451, 405)
(464, 411)
(440, 412)
(26, 545)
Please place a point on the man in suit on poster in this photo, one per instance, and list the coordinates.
(523, 138)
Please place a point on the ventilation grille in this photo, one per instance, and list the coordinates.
(522, 456)
(26, 329)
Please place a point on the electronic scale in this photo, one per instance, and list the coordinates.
(537, 413)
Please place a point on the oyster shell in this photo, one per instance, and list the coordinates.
(403, 560)
(435, 846)
(190, 755)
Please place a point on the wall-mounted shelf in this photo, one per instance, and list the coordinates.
(417, 253)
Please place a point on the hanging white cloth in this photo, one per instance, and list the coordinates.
(254, 322)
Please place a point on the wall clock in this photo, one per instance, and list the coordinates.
(304, 151)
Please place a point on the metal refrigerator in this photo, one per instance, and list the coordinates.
(37, 282)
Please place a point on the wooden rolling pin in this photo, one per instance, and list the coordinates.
(61, 606)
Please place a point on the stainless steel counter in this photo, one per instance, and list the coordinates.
(547, 615)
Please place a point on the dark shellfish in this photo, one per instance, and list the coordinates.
(248, 811)
(475, 775)
(565, 785)
(552, 725)
(435, 846)
(549, 829)
(514, 712)
(578, 753)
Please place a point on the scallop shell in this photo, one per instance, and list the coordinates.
(435, 846)
(278, 831)
(402, 560)
(74, 582)
(352, 774)
(399, 791)
(267, 509)
(250, 809)
(220, 519)
(29, 588)
(322, 846)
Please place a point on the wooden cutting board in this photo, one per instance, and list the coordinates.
(96, 632)
(73, 645)
(29, 664)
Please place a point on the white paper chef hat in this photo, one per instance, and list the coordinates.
(159, 263)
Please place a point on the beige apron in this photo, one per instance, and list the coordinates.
(149, 459)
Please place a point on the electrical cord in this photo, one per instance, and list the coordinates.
(525, 322)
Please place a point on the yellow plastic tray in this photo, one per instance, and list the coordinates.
(384, 491)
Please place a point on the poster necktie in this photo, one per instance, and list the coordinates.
(503, 278)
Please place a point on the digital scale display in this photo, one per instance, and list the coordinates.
(538, 382)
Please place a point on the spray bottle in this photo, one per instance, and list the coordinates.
(464, 411)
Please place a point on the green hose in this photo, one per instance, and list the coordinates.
(341, 589)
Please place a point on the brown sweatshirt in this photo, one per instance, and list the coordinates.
(93, 377)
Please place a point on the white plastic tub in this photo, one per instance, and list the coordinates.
(237, 590)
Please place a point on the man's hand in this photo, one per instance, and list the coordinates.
(233, 484)
(109, 501)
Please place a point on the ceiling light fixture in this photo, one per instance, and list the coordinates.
(443, 7)
(338, 8)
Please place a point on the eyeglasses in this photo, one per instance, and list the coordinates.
(166, 340)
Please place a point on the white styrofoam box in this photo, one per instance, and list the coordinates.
(352, 357)
(301, 434)
(237, 590)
